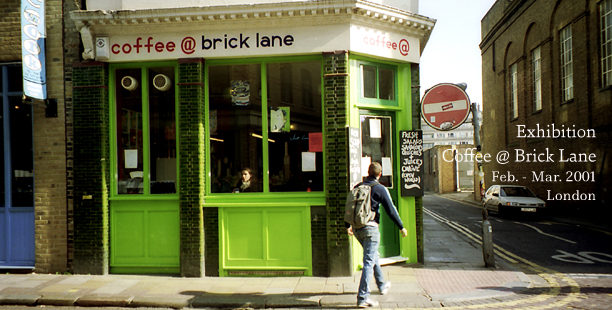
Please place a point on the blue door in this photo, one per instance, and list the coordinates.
(16, 165)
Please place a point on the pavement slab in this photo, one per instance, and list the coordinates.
(452, 275)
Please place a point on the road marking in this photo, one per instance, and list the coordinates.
(545, 234)
(533, 303)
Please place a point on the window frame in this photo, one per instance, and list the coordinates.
(144, 67)
(605, 14)
(513, 85)
(377, 100)
(213, 197)
(566, 63)
(536, 67)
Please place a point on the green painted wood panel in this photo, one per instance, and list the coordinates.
(265, 238)
(245, 232)
(144, 237)
(284, 235)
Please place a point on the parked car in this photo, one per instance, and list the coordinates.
(504, 198)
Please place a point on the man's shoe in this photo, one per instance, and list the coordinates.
(367, 303)
(385, 288)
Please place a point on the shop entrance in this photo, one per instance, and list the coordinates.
(377, 142)
(17, 167)
(144, 207)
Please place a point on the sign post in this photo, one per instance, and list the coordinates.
(411, 162)
(445, 106)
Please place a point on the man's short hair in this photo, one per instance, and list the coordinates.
(374, 170)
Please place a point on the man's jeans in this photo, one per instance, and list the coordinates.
(369, 237)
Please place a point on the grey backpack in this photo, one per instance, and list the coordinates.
(358, 209)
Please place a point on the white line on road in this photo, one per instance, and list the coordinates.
(545, 234)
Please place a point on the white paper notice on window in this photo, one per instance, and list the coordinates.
(309, 161)
(131, 159)
(365, 164)
(375, 130)
(386, 166)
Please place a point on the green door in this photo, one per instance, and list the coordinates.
(377, 143)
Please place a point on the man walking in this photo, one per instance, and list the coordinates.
(369, 238)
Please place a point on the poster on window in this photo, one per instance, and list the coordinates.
(411, 163)
(241, 92)
(279, 119)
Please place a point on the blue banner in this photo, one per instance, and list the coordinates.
(33, 48)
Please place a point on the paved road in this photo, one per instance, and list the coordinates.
(576, 261)
(561, 247)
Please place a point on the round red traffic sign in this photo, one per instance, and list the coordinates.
(445, 106)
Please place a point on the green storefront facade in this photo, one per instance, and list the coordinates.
(173, 104)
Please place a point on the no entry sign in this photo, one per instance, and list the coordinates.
(445, 106)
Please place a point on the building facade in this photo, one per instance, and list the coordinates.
(463, 134)
(547, 93)
(35, 233)
(172, 104)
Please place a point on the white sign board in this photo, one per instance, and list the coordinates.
(259, 42)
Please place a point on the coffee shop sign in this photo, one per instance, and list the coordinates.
(189, 45)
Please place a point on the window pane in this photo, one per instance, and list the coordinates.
(235, 127)
(386, 85)
(368, 75)
(162, 132)
(376, 140)
(129, 131)
(606, 41)
(295, 131)
(15, 82)
(22, 155)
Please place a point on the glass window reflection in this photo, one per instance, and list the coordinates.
(295, 146)
(129, 131)
(235, 113)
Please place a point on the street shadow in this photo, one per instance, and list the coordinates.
(563, 290)
(205, 299)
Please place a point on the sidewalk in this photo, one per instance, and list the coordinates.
(453, 274)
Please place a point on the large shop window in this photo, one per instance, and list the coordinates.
(295, 140)
(146, 130)
(273, 146)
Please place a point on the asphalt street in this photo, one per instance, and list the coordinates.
(565, 248)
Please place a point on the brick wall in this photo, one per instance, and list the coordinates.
(192, 156)
(91, 167)
(51, 236)
(318, 227)
(10, 30)
(71, 55)
(50, 155)
(336, 150)
(211, 242)
(510, 33)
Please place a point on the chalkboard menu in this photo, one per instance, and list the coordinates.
(411, 163)
(354, 150)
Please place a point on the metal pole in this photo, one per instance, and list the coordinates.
(488, 252)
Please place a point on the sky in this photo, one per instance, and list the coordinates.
(452, 54)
